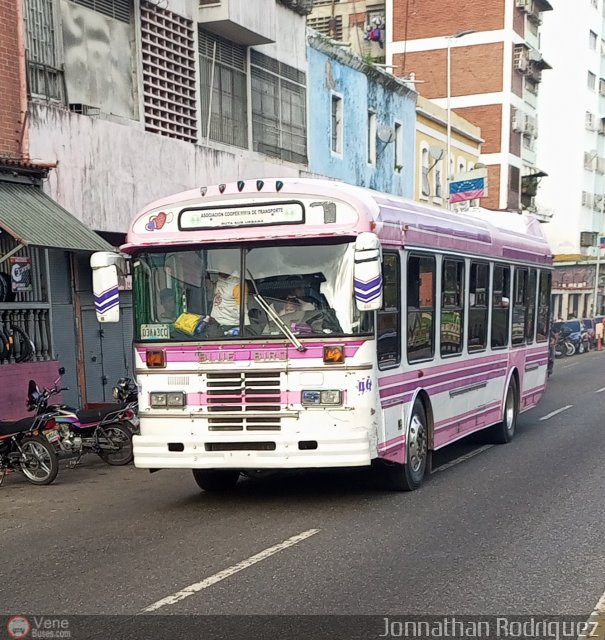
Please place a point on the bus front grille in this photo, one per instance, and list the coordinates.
(255, 395)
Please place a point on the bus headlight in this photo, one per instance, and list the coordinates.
(176, 399)
(329, 397)
(167, 399)
(158, 399)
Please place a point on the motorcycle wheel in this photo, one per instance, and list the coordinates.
(39, 461)
(570, 348)
(116, 436)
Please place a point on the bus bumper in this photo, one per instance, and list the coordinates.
(352, 448)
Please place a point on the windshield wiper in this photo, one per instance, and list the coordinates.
(268, 309)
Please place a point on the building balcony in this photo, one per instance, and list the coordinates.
(241, 21)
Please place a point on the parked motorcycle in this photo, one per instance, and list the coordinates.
(24, 447)
(76, 432)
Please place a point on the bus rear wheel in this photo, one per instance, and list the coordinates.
(216, 480)
(409, 476)
(504, 431)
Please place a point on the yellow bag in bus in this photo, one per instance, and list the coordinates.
(191, 323)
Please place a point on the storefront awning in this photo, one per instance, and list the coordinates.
(32, 218)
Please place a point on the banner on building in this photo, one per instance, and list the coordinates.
(469, 185)
(21, 274)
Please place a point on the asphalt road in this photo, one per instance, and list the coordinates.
(514, 529)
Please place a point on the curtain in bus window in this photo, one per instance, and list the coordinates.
(478, 297)
(543, 307)
(500, 306)
(530, 317)
(519, 307)
(420, 307)
(452, 310)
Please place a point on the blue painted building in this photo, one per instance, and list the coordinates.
(361, 121)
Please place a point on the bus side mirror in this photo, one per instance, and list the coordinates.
(105, 267)
(367, 272)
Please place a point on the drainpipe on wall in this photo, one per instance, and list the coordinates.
(23, 138)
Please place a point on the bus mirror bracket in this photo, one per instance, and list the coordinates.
(367, 272)
(106, 267)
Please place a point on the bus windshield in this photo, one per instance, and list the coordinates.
(221, 293)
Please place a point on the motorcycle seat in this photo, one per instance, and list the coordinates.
(92, 416)
(16, 426)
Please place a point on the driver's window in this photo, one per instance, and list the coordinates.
(389, 317)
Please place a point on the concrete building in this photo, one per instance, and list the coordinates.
(362, 121)
(106, 106)
(495, 70)
(572, 150)
(431, 151)
(360, 24)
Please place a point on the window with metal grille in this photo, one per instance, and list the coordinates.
(168, 73)
(279, 114)
(223, 80)
(44, 63)
(118, 9)
(327, 26)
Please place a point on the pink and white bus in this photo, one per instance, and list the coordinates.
(303, 323)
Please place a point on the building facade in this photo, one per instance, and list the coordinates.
(360, 24)
(431, 150)
(362, 121)
(486, 65)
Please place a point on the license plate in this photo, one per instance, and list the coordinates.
(155, 332)
(52, 436)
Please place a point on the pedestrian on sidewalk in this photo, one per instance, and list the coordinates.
(599, 331)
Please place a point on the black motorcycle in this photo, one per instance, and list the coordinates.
(102, 431)
(24, 447)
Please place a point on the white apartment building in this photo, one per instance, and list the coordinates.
(571, 145)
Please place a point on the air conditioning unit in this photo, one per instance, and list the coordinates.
(586, 199)
(530, 125)
(526, 5)
(518, 121)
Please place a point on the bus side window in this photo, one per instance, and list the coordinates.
(478, 297)
(530, 315)
(389, 317)
(519, 307)
(543, 307)
(500, 306)
(421, 308)
(452, 307)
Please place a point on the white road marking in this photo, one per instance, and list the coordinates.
(554, 413)
(573, 364)
(466, 456)
(225, 573)
(600, 390)
(595, 625)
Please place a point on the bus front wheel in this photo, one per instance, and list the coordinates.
(409, 476)
(216, 480)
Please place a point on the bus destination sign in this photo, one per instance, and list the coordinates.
(242, 216)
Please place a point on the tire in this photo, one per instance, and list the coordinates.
(8, 294)
(570, 348)
(26, 349)
(410, 476)
(216, 480)
(118, 436)
(504, 431)
(42, 464)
